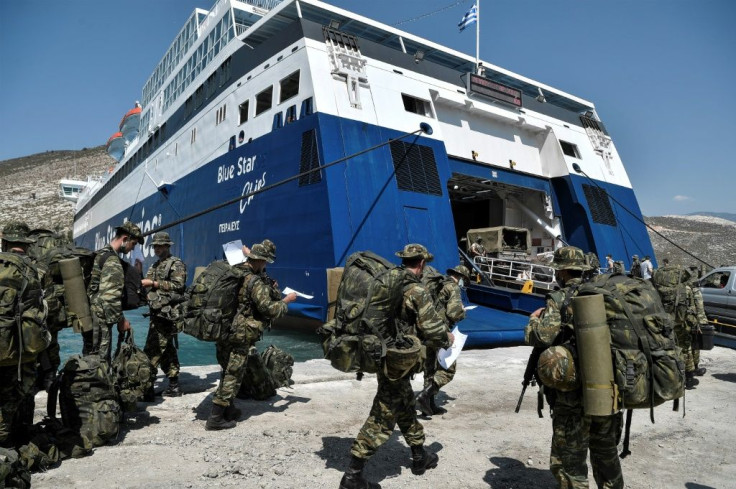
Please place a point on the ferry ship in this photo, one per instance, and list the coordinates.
(329, 133)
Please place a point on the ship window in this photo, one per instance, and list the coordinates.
(289, 86)
(307, 108)
(194, 135)
(211, 84)
(199, 97)
(415, 168)
(264, 100)
(599, 205)
(241, 137)
(416, 105)
(291, 114)
(309, 159)
(243, 110)
(569, 149)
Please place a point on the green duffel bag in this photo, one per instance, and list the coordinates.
(351, 353)
(405, 358)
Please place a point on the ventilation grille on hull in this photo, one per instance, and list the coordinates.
(416, 168)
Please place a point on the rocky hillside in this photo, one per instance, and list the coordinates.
(33, 182)
(32, 185)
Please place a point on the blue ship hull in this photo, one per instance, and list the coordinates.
(318, 222)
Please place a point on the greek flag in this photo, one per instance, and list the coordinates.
(470, 17)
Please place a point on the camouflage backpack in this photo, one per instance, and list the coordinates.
(434, 281)
(23, 333)
(166, 304)
(265, 373)
(212, 301)
(134, 295)
(44, 241)
(671, 284)
(87, 399)
(367, 306)
(13, 472)
(131, 371)
(648, 366)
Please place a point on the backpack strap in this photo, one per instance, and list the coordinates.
(638, 327)
(53, 396)
(627, 434)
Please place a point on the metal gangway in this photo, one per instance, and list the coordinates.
(516, 274)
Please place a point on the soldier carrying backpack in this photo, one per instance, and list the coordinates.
(23, 332)
(167, 279)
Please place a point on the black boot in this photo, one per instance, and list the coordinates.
(216, 421)
(232, 413)
(423, 399)
(353, 478)
(435, 408)
(422, 460)
(690, 380)
(700, 371)
(149, 395)
(173, 389)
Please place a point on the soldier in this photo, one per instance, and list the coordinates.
(574, 433)
(635, 266)
(167, 280)
(449, 304)
(257, 308)
(701, 319)
(394, 401)
(105, 291)
(477, 249)
(17, 368)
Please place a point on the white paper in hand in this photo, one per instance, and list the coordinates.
(448, 357)
(234, 252)
(289, 290)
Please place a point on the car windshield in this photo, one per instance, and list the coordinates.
(717, 280)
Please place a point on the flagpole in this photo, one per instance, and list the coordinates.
(477, 38)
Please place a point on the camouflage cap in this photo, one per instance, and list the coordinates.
(259, 252)
(17, 232)
(162, 238)
(131, 230)
(461, 270)
(635, 257)
(556, 369)
(569, 258)
(270, 248)
(415, 250)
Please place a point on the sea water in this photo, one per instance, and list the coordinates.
(301, 344)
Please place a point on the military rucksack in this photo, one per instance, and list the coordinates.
(54, 295)
(166, 304)
(434, 281)
(366, 310)
(13, 472)
(648, 366)
(265, 373)
(44, 240)
(212, 301)
(134, 295)
(87, 399)
(131, 370)
(671, 284)
(23, 332)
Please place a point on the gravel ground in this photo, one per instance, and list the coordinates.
(301, 438)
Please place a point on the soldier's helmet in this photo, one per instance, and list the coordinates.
(569, 258)
(162, 238)
(259, 252)
(415, 250)
(270, 248)
(556, 369)
(460, 270)
(132, 230)
(17, 232)
(635, 257)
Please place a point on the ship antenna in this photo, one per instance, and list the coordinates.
(577, 168)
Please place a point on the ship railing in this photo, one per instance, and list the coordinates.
(264, 4)
(516, 273)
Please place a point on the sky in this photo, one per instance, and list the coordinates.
(662, 74)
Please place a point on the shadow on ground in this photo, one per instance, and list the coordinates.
(725, 377)
(252, 408)
(510, 473)
(695, 485)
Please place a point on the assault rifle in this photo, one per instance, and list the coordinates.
(529, 378)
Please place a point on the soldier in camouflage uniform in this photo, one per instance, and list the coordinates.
(105, 291)
(257, 308)
(17, 379)
(449, 304)
(167, 281)
(394, 401)
(574, 433)
(700, 319)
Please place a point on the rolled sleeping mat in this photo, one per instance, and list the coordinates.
(75, 294)
(600, 395)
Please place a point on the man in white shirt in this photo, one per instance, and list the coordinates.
(646, 268)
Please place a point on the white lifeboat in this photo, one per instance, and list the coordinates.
(116, 146)
(130, 123)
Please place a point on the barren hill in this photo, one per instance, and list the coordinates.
(33, 182)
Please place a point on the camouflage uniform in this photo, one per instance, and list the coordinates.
(259, 307)
(17, 379)
(105, 303)
(701, 319)
(170, 274)
(394, 401)
(574, 433)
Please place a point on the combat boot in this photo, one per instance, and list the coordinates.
(422, 460)
(216, 421)
(232, 413)
(424, 398)
(690, 380)
(149, 395)
(353, 478)
(700, 371)
(173, 389)
(435, 408)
